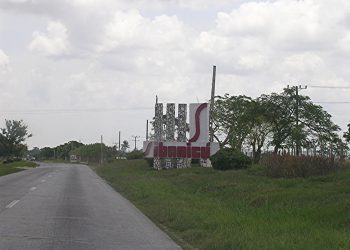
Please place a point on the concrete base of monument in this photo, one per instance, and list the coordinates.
(205, 163)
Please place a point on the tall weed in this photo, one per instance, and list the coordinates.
(298, 166)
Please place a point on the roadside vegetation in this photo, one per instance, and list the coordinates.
(85, 153)
(12, 140)
(282, 123)
(15, 166)
(204, 208)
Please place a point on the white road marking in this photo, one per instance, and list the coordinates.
(12, 204)
(43, 180)
(32, 188)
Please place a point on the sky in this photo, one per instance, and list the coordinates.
(79, 69)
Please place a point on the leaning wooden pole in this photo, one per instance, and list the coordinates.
(211, 138)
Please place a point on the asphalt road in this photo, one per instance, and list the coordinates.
(63, 206)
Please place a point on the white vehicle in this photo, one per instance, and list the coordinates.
(73, 158)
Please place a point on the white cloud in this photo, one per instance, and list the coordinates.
(123, 53)
(131, 41)
(289, 25)
(4, 62)
(131, 30)
(17, 1)
(53, 43)
(274, 30)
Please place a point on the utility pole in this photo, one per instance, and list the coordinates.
(211, 139)
(81, 154)
(101, 150)
(119, 142)
(135, 139)
(147, 130)
(297, 142)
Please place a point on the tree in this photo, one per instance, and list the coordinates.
(35, 152)
(12, 138)
(278, 120)
(260, 128)
(279, 113)
(313, 121)
(240, 120)
(47, 153)
(230, 119)
(92, 152)
(346, 134)
(62, 151)
(125, 145)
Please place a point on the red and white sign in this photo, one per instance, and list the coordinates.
(198, 146)
(179, 149)
(199, 122)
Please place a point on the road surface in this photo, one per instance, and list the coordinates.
(67, 206)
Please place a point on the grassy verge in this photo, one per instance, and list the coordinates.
(55, 161)
(207, 209)
(14, 167)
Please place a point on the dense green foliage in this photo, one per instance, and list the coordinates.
(346, 134)
(203, 208)
(63, 151)
(46, 153)
(84, 153)
(281, 121)
(92, 152)
(135, 154)
(227, 158)
(12, 139)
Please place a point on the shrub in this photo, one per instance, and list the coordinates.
(9, 160)
(298, 166)
(149, 162)
(133, 155)
(227, 158)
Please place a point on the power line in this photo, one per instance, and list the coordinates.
(135, 139)
(49, 111)
(347, 102)
(328, 87)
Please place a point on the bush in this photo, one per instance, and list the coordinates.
(298, 166)
(227, 158)
(133, 155)
(9, 160)
(149, 162)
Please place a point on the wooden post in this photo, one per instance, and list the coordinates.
(211, 138)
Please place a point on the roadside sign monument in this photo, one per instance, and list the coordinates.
(169, 152)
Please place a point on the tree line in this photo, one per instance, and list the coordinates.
(15, 133)
(85, 152)
(280, 122)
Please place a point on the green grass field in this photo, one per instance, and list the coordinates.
(14, 167)
(208, 209)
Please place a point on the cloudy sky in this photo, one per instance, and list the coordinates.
(78, 69)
